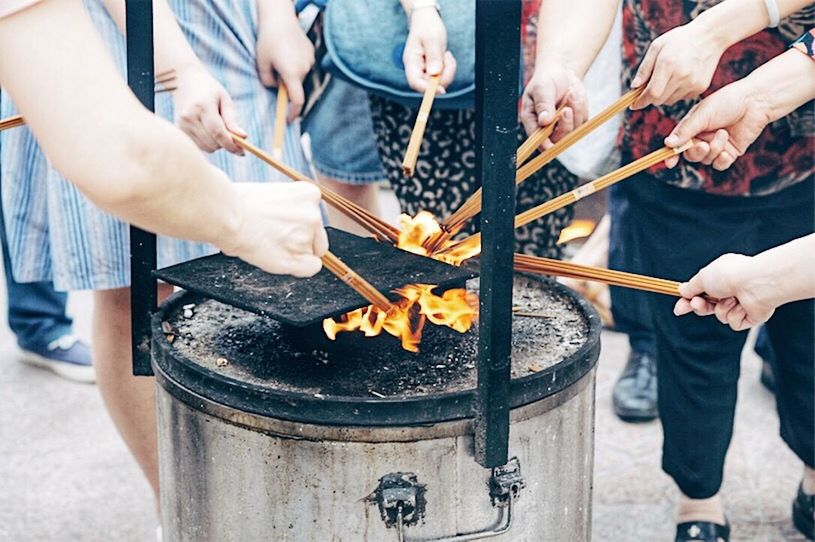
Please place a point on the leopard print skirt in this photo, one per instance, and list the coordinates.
(445, 173)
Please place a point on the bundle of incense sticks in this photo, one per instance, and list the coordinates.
(280, 122)
(538, 136)
(579, 193)
(355, 281)
(378, 227)
(415, 143)
(472, 206)
(547, 266)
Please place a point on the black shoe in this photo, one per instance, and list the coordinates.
(803, 510)
(702, 531)
(635, 393)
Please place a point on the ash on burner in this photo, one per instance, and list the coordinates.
(264, 351)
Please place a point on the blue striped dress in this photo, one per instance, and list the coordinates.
(56, 234)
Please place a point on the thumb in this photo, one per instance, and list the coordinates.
(266, 72)
(646, 67)
(434, 57)
(695, 286)
(696, 121)
(230, 117)
(544, 97)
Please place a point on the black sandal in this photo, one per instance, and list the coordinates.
(803, 510)
(702, 531)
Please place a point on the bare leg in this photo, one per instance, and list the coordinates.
(130, 400)
(364, 195)
(710, 509)
(809, 481)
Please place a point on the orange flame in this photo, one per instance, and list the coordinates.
(456, 309)
(576, 230)
(414, 231)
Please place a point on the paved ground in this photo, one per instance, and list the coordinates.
(65, 475)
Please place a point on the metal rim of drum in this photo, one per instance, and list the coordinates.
(177, 371)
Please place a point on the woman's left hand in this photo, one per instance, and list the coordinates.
(679, 65)
(205, 111)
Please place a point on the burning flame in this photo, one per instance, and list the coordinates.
(456, 309)
(576, 230)
(415, 231)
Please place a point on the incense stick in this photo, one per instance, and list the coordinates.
(280, 121)
(581, 192)
(11, 122)
(381, 229)
(415, 143)
(472, 206)
(355, 281)
(547, 266)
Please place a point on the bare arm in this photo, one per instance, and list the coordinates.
(572, 32)
(128, 161)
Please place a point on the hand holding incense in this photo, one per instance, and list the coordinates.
(378, 227)
(415, 143)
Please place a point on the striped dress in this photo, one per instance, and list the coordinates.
(56, 234)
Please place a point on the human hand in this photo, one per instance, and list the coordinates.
(426, 52)
(678, 65)
(284, 54)
(205, 111)
(744, 300)
(551, 84)
(724, 125)
(281, 229)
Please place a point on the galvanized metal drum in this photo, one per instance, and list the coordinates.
(268, 432)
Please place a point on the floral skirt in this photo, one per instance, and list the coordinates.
(445, 174)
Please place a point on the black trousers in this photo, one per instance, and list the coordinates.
(698, 359)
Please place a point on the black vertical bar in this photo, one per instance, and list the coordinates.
(497, 53)
(143, 292)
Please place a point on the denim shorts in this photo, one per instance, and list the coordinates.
(343, 145)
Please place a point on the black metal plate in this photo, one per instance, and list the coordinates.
(301, 302)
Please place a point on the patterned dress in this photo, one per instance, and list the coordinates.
(779, 158)
(56, 234)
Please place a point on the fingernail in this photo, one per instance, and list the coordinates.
(636, 82)
(672, 140)
(546, 116)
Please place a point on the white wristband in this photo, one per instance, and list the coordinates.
(772, 12)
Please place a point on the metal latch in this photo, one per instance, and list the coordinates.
(506, 483)
(401, 499)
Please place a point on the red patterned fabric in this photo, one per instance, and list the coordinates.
(780, 157)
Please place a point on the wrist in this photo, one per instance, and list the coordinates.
(229, 239)
(730, 22)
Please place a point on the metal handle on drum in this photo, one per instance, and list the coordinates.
(503, 525)
(403, 492)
